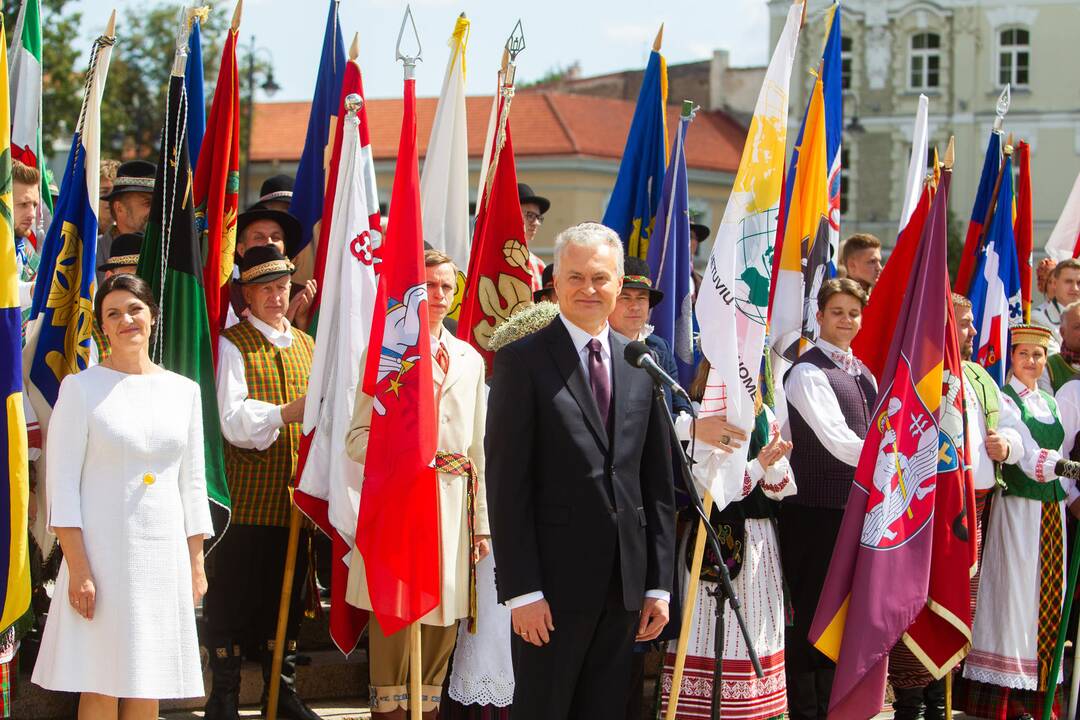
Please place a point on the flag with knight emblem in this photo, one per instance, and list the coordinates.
(881, 565)
(401, 559)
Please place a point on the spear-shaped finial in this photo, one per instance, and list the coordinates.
(505, 61)
(950, 153)
(514, 45)
(236, 13)
(1009, 145)
(110, 27)
(354, 49)
(659, 39)
(408, 61)
(1003, 107)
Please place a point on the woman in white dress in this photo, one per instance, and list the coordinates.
(1018, 610)
(127, 500)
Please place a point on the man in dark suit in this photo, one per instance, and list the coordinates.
(580, 495)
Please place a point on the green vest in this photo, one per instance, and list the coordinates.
(1060, 371)
(1048, 436)
(259, 480)
(986, 392)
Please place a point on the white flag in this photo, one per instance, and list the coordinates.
(1063, 240)
(444, 184)
(916, 172)
(732, 307)
(344, 327)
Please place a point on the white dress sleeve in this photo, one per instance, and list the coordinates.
(1036, 462)
(245, 422)
(64, 456)
(777, 481)
(192, 480)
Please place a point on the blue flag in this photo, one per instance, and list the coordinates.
(995, 286)
(636, 196)
(193, 80)
(670, 263)
(833, 95)
(307, 199)
(63, 308)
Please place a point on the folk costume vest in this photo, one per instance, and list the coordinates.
(1060, 371)
(259, 479)
(1047, 435)
(986, 392)
(828, 480)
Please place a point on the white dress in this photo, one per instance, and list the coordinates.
(124, 462)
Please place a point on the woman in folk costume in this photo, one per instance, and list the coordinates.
(745, 520)
(1018, 611)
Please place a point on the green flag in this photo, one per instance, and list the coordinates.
(171, 261)
(24, 81)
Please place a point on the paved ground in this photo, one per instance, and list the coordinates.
(328, 710)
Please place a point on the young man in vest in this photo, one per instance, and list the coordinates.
(830, 396)
(1063, 366)
(262, 377)
(461, 406)
(1063, 290)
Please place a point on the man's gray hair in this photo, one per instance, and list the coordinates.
(1070, 308)
(590, 235)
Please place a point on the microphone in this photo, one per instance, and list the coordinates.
(639, 355)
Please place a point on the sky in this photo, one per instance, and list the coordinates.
(603, 35)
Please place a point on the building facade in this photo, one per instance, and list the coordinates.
(960, 53)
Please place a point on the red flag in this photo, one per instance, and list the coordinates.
(216, 188)
(881, 565)
(351, 84)
(1022, 225)
(871, 345)
(941, 635)
(499, 279)
(398, 528)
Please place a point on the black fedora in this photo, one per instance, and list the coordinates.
(548, 281)
(526, 195)
(636, 275)
(289, 225)
(702, 231)
(263, 264)
(133, 176)
(124, 252)
(278, 187)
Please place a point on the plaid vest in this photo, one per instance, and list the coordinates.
(259, 480)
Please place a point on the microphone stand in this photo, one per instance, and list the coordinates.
(724, 590)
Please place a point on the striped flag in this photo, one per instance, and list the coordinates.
(24, 80)
(14, 480)
(733, 303)
(983, 197)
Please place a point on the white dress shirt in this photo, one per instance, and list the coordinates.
(245, 422)
(808, 391)
(1048, 314)
(581, 340)
(1068, 402)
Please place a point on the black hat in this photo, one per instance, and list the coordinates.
(636, 275)
(133, 176)
(262, 264)
(548, 280)
(702, 231)
(123, 252)
(278, 187)
(289, 225)
(526, 195)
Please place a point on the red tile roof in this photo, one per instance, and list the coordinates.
(543, 123)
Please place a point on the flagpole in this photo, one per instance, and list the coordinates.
(408, 63)
(688, 612)
(283, 611)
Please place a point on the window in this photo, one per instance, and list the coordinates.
(925, 61)
(845, 63)
(1014, 57)
(843, 180)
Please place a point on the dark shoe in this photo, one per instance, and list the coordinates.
(934, 698)
(290, 706)
(908, 703)
(398, 714)
(224, 700)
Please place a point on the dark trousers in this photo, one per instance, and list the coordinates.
(244, 572)
(807, 536)
(584, 672)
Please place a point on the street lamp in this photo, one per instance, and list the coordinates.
(268, 86)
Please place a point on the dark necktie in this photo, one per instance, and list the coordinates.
(599, 380)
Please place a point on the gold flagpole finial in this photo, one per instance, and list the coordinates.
(237, 12)
(659, 39)
(110, 28)
(354, 48)
(950, 153)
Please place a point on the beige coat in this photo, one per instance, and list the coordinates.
(462, 413)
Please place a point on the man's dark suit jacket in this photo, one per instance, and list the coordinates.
(565, 494)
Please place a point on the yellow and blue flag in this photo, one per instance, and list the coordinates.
(62, 314)
(635, 198)
(15, 484)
